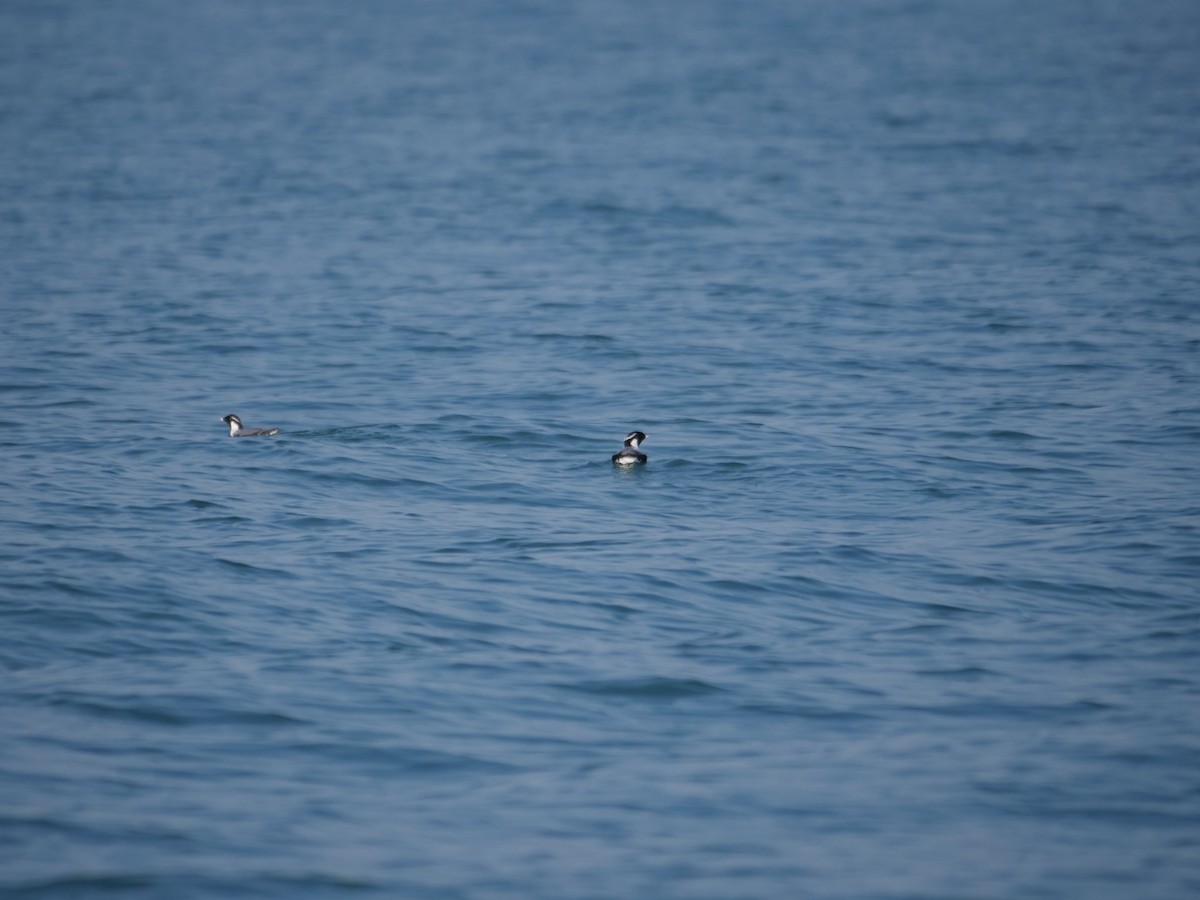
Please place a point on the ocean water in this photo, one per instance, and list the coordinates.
(905, 604)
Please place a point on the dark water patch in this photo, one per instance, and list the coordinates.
(645, 688)
(118, 885)
(605, 340)
(222, 521)
(738, 591)
(806, 712)
(314, 523)
(1076, 711)
(966, 673)
(193, 710)
(246, 569)
(1004, 435)
(400, 760)
(361, 481)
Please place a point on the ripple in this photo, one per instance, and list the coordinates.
(651, 688)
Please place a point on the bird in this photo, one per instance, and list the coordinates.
(630, 455)
(236, 429)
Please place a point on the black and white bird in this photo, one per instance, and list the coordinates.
(236, 429)
(630, 455)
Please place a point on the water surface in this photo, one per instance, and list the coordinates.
(904, 604)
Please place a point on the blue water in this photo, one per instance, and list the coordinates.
(905, 603)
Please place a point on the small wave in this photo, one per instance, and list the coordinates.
(652, 688)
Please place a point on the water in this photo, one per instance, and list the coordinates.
(904, 604)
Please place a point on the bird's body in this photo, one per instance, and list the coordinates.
(630, 455)
(236, 429)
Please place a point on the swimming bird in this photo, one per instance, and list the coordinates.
(631, 455)
(236, 429)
